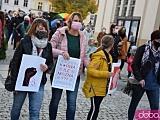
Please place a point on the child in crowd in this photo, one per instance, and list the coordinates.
(98, 74)
(91, 46)
(130, 59)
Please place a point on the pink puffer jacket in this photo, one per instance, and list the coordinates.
(56, 37)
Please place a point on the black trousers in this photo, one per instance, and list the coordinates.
(129, 74)
(122, 63)
(94, 110)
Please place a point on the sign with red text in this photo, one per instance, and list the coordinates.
(114, 79)
(66, 73)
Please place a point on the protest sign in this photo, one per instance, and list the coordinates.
(66, 72)
(114, 80)
(30, 74)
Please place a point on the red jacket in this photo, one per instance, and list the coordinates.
(129, 61)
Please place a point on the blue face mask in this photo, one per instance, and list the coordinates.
(11, 14)
(21, 15)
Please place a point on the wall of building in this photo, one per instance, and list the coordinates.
(32, 5)
(146, 9)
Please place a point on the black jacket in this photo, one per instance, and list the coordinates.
(25, 47)
(114, 50)
(141, 72)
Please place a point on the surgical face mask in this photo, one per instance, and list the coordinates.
(41, 34)
(116, 30)
(21, 15)
(76, 25)
(104, 30)
(11, 14)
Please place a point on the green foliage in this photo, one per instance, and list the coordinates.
(68, 6)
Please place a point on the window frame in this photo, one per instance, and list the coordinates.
(6, 1)
(40, 5)
(16, 2)
(25, 3)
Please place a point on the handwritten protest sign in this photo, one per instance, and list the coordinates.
(30, 74)
(114, 80)
(66, 73)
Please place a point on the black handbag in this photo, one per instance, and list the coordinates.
(9, 84)
(131, 87)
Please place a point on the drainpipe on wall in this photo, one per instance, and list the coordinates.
(103, 14)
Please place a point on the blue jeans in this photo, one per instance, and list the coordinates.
(71, 102)
(8, 34)
(153, 97)
(35, 102)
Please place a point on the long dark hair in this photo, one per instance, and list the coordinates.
(2, 17)
(107, 41)
(111, 28)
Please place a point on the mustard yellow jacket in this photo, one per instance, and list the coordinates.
(97, 74)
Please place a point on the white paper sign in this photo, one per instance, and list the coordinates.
(30, 74)
(114, 80)
(66, 72)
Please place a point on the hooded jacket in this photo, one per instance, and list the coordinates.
(97, 74)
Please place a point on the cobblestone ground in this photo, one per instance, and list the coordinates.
(112, 108)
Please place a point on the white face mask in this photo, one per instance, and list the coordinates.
(103, 30)
(115, 31)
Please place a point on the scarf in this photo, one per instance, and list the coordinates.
(39, 43)
(146, 53)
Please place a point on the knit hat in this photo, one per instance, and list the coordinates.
(27, 17)
(155, 35)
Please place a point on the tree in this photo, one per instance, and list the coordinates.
(68, 6)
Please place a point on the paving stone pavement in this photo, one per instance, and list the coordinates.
(113, 107)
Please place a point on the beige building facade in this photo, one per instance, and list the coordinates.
(33, 6)
(147, 12)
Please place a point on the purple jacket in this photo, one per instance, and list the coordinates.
(56, 37)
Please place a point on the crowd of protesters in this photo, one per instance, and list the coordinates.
(34, 35)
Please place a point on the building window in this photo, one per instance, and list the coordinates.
(133, 2)
(132, 11)
(25, 3)
(40, 5)
(124, 11)
(118, 5)
(119, 2)
(6, 1)
(131, 8)
(15, 2)
(126, 2)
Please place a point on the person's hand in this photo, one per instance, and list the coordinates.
(66, 55)
(43, 67)
(19, 34)
(111, 74)
(142, 83)
(118, 71)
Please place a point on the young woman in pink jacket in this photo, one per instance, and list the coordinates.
(73, 44)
